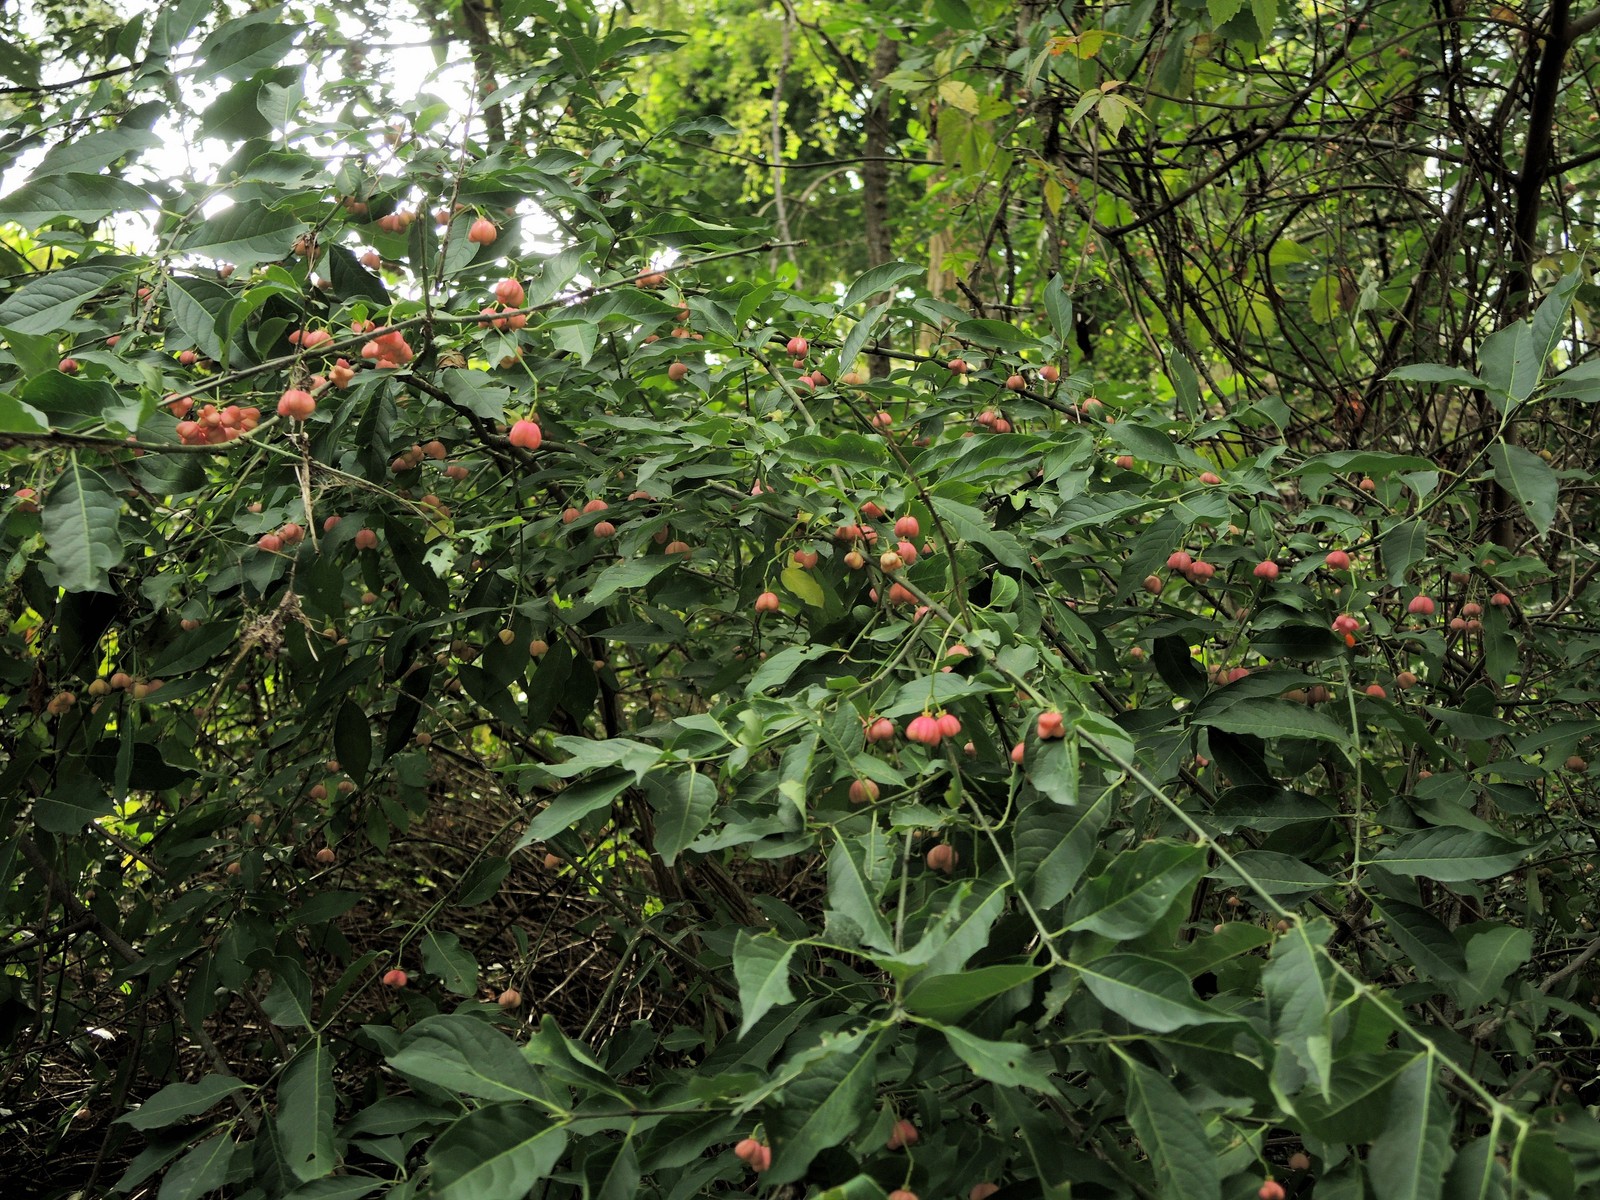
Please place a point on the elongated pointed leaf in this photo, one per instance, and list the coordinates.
(466, 1055)
(1427, 943)
(574, 803)
(203, 1169)
(80, 529)
(1409, 1159)
(1272, 718)
(878, 280)
(1451, 855)
(1054, 847)
(1435, 373)
(444, 955)
(761, 969)
(959, 933)
(1528, 478)
(951, 997)
(825, 1105)
(44, 304)
(1355, 1108)
(78, 196)
(1300, 999)
(179, 1101)
(1147, 992)
(1137, 889)
(305, 1113)
(682, 809)
(855, 869)
(246, 234)
(1173, 1137)
(1009, 1064)
(496, 1153)
(1493, 953)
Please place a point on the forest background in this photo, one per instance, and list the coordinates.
(818, 599)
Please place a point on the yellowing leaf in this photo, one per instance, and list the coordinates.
(1114, 113)
(959, 95)
(1054, 193)
(803, 585)
(1325, 299)
(1088, 43)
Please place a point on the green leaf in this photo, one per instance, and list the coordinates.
(1053, 766)
(1426, 942)
(1267, 718)
(1058, 306)
(340, 1187)
(1281, 875)
(288, 1001)
(1222, 11)
(246, 234)
(92, 151)
(855, 867)
(1451, 856)
(1493, 952)
(761, 969)
(78, 197)
(947, 998)
(306, 1111)
(443, 955)
(481, 881)
(1436, 373)
(612, 1172)
(352, 740)
(860, 332)
(1403, 545)
(80, 529)
(199, 308)
(45, 304)
(1513, 358)
(579, 338)
(1137, 889)
(1054, 846)
(1548, 1168)
(1356, 1105)
(35, 353)
(463, 1054)
(1581, 383)
(1009, 1064)
(826, 1104)
(781, 665)
(1408, 1160)
(1172, 1135)
(960, 931)
(682, 809)
(627, 574)
(1147, 992)
(239, 48)
(1300, 1000)
(860, 1187)
(1528, 478)
(179, 1101)
(75, 800)
(1476, 1174)
(974, 525)
(995, 334)
(878, 280)
(69, 401)
(204, 1169)
(495, 1153)
(572, 804)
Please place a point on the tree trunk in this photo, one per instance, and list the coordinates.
(875, 176)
